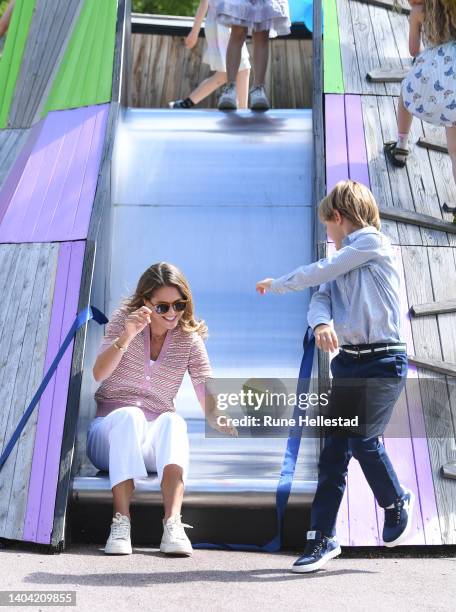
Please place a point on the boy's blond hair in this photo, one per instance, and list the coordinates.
(352, 200)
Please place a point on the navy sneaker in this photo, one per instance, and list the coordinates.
(319, 550)
(398, 520)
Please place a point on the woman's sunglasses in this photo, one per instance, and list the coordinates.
(162, 307)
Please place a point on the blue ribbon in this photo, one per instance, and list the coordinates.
(289, 459)
(83, 317)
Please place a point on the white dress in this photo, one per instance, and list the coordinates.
(256, 15)
(429, 89)
(217, 38)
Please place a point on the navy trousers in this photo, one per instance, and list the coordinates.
(374, 408)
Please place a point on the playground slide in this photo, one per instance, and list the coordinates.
(227, 198)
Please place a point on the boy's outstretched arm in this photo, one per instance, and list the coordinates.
(342, 261)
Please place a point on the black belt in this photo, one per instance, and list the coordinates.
(373, 349)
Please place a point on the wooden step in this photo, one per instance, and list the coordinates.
(449, 470)
(432, 308)
(435, 144)
(441, 367)
(410, 216)
(387, 76)
(387, 4)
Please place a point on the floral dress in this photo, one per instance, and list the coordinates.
(256, 15)
(429, 89)
(217, 37)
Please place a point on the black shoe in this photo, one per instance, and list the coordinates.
(398, 520)
(319, 550)
(396, 155)
(187, 103)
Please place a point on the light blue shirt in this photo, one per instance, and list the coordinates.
(358, 289)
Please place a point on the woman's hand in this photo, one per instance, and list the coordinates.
(326, 338)
(264, 285)
(191, 39)
(229, 430)
(137, 321)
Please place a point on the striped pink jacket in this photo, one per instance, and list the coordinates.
(151, 387)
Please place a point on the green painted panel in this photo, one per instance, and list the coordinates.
(84, 77)
(332, 62)
(13, 51)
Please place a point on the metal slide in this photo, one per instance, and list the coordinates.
(227, 198)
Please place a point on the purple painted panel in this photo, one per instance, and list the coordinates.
(357, 157)
(343, 520)
(363, 515)
(400, 451)
(54, 196)
(15, 173)
(46, 455)
(46, 519)
(336, 140)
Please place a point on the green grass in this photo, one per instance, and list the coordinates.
(166, 7)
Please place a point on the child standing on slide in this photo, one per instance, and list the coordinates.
(217, 37)
(429, 89)
(263, 19)
(359, 292)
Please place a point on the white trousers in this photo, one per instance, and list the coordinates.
(127, 445)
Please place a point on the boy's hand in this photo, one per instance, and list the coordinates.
(326, 338)
(191, 39)
(264, 285)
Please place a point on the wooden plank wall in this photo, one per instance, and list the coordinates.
(51, 27)
(27, 277)
(164, 70)
(53, 167)
(11, 143)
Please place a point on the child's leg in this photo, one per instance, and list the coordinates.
(404, 118)
(451, 143)
(206, 87)
(234, 52)
(332, 473)
(397, 151)
(242, 87)
(404, 123)
(377, 469)
(260, 57)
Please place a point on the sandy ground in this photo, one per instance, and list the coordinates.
(213, 580)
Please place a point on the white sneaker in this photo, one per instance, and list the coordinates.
(119, 542)
(175, 540)
(259, 99)
(228, 99)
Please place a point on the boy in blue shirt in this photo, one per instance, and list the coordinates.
(359, 292)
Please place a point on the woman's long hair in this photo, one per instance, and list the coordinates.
(439, 23)
(164, 274)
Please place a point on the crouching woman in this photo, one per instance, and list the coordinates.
(152, 339)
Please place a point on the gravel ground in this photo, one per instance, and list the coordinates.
(213, 580)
